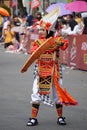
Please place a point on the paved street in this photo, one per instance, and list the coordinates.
(15, 96)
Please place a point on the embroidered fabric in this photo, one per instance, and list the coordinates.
(45, 99)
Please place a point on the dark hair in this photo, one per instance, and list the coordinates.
(9, 25)
(78, 15)
(63, 21)
(50, 34)
(57, 25)
(40, 15)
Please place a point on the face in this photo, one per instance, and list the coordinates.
(42, 32)
(6, 18)
(68, 17)
(9, 27)
(16, 19)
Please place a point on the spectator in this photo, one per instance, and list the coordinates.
(38, 17)
(23, 41)
(78, 18)
(79, 28)
(17, 22)
(5, 24)
(8, 36)
(29, 20)
(71, 21)
(1, 25)
(65, 28)
(85, 25)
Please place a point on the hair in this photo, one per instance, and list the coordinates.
(50, 34)
(39, 14)
(63, 21)
(9, 25)
(78, 15)
(57, 25)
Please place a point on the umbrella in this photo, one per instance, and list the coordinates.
(4, 12)
(62, 9)
(77, 6)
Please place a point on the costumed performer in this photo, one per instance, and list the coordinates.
(47, 77)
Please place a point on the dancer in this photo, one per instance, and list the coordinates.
(47, 77)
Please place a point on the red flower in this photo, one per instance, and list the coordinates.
(65, 41)
(48, 25)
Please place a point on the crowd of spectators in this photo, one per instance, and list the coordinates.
(18, 39)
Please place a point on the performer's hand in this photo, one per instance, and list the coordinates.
(61, 44)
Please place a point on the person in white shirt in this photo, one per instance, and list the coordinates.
(66, 29)
(6, 23)
(78, 29)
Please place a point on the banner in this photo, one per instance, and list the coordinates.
(35, 3)
(13, 3)
(76, 53)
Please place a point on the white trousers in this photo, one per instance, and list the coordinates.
(35, 95)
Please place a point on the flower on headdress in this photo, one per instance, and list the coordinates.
(45, 25)
(65, 44)
(48, 25)
(58, 39)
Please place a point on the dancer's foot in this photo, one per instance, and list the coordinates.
(32, 122)
(61, 121)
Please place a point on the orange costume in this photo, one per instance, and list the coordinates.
(46, 77)
(48, 74)
(49, 70)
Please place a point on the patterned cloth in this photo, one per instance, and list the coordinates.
(35, 71)
(45, 99)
